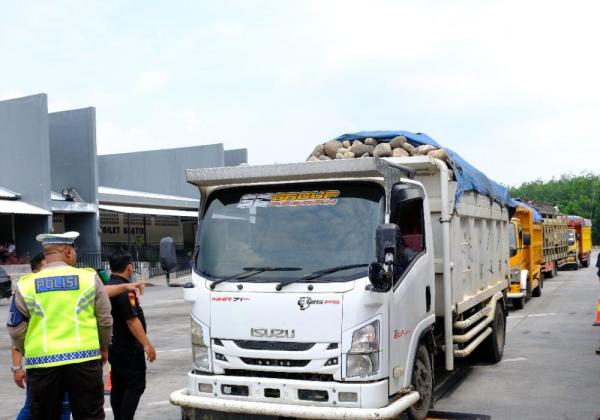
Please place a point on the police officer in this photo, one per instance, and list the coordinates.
(60, 319)
(598, 267)
(129, 341)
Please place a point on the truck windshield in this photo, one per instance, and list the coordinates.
(310, 227)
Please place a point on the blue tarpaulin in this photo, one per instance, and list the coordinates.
(537, 217)
(467, 177)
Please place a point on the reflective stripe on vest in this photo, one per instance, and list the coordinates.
(62, 326)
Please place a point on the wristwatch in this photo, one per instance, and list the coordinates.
(13, 369)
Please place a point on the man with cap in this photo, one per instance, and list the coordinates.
(60, 320)
(129, 341)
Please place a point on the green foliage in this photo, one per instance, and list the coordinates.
(573, 194)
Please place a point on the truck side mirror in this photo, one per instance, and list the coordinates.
(526, 238)
(387, 249)
(168, 257)
(513, 251)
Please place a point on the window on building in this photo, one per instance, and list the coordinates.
(109, 217)
(166, 221)
(135, 220)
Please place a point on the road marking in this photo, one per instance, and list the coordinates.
(181, 350)
(515, 359)
(531, 315)
(155, 403)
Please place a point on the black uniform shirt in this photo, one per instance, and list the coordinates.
(125, 306)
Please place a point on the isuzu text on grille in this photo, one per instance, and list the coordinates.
(272, 333)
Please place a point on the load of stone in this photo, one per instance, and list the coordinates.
(397, 147)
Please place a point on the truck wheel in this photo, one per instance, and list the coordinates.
(585, 263)
(493, 346)
(422, 380)
(537, 292)
(518, 303)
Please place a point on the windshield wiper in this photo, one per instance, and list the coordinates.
(252, 271)
(319, 273)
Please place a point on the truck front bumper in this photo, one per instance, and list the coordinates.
(515, 295)
(256, 396)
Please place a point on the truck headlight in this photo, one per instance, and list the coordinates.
(363, 357)
(199, 347)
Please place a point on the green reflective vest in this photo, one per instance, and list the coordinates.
(62, 325)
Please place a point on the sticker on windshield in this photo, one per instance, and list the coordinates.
(289, 199)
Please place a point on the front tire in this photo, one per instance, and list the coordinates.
(518, 303)
(537, 292)
(422, 380)
(492, 348)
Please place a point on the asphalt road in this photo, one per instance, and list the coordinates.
(549, 370)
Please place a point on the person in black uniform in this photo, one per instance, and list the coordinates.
(129, 342)
(598, 266)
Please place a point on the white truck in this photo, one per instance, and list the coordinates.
(326, 290)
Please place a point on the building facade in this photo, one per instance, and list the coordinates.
(52, 180)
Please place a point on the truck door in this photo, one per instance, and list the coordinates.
(413, 298)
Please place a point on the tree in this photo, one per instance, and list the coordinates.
(573, 194)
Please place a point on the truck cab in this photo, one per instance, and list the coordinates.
(572, 259)
(525, 241)
(285, 311)
(583, 235)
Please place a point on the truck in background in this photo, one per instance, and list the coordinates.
(526, 244)
(327, 289)
(555, 236)
(572, 260)
(581, 233)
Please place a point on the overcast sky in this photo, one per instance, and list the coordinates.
(513, 86)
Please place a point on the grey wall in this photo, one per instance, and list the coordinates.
(25, 156)
(74, 164)
(25, 163)
(234, 157)
(87, 224)
(73, 152)
(158, 171)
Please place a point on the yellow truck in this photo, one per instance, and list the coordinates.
(526, 245)
(580, 241)
(555, 234)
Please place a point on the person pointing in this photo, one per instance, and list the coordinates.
(60, 320)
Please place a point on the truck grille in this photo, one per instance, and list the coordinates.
(274, 362)
(273, 345)
(280, 375)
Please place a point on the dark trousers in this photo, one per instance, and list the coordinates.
(83, 383)
(128, 374)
